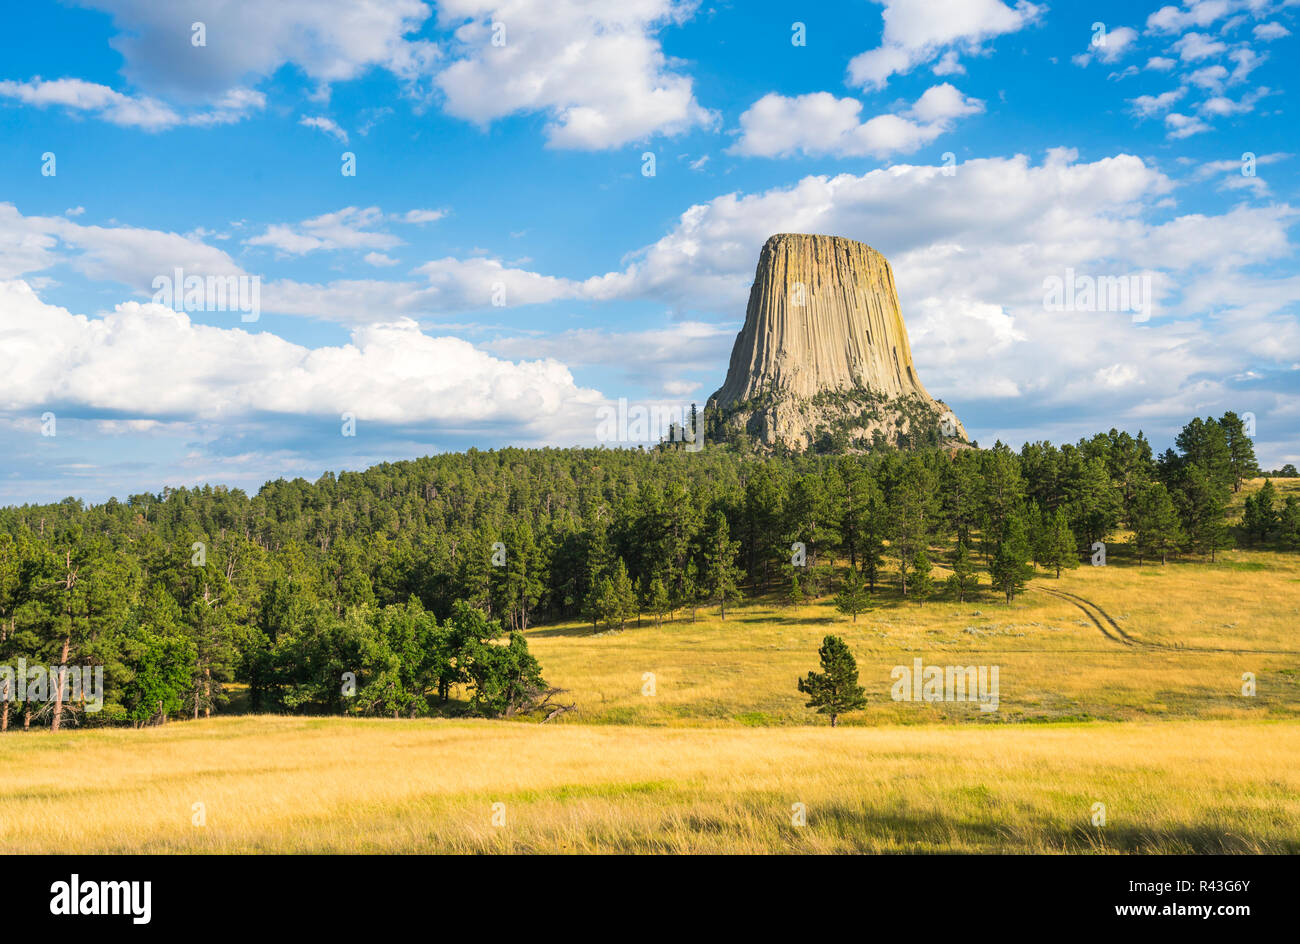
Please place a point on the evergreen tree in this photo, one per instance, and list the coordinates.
(1289, 522)
(622, 599)
(1202, 502)
(1059, 547)
(690, 588)
(1241, 451)
(721, 574)
(1156, 529)
(835, 689)
(657, 600)
(853, 597)
(912, 513)
(963, 579)
(1011, 568)
(922, 576)
(794, 596)
(1261, 512)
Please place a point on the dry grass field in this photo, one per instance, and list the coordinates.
(1119, 685)
(334, 785)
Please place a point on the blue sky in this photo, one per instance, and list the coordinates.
(501, 265)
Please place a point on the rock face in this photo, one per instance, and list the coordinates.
(823, 359)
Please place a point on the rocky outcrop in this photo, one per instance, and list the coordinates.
(823, 358)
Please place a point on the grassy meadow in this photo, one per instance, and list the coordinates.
(1119, 685)
(328, 785)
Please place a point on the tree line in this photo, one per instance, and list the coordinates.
(416, 579)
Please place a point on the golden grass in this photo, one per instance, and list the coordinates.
(335, 785)
(1235, 616)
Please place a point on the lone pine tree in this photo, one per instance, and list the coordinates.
(835, 689)
(853, 598)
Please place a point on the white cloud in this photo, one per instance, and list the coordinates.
(1160, 63)
(1144, 106)
(918, 31)
(144, 361)
(248, 40)
(1210, 78)
(1193, 47)
(148, 114)
(657, 358)
(820, 124)
(349, 228)
(1200, 13)
(1247, 61)
(597, 71)
(1109, 47)
(1222, 106)
(1184, 126)
(1271, 31)
(125, 254)
(379, 260)
(421, 216)
(948, 64)
(327, 125)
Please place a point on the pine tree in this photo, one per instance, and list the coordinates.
(1261, 512)
(963, 579)
(1202, 502)
(622, 595)
(835, 689)
(721, 575)
(1059, 547)
(1289, 522)
(922, 575)
(1011, 568)
(794, 596)
(853, 597)
(1241, 451)
(1156, 529)
(690, 587)
(657, 600)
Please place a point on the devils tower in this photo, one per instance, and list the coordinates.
(823, 359)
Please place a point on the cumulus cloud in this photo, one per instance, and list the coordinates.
(349, 228)
(1184, 126)
(144, 361)
(248, 40)
(658, 358)
(1110, 46)
(128, 255)
(1144, 106)
(597, 72)
(1270, 31)
(1198, 13)
(1193, 47)
(920, 31)
(129, 111)
(327, 125)
(821, 124)
(421, 216)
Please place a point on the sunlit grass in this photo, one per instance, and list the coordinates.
(295, 785)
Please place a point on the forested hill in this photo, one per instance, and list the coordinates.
(204, 586)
